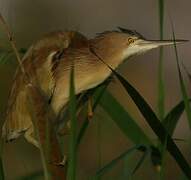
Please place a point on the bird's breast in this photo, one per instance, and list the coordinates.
(84, 80)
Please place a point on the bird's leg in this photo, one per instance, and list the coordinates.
(29, 135)
(67, 127)
(90, 111)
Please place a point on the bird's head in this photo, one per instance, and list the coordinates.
(125, 43)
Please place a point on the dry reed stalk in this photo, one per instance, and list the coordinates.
(42, 113)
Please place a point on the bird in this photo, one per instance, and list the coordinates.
(49, 61)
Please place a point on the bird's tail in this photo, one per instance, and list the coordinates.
(17, 120)
(13, 128)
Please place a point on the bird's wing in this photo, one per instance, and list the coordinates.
(38, 63)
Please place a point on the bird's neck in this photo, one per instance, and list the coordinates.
(110, 56)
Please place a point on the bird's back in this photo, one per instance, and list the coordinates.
(37, 63)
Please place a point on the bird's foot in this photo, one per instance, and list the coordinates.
(63, 162)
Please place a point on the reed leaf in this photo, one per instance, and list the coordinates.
(155, 124)
(182, 83)
(112, 163)
(123, 120)
(97, 95)
(173, 117)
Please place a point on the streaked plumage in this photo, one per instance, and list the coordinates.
(48, 62)
(39, 64)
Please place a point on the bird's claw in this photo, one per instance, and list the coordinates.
(63, 162)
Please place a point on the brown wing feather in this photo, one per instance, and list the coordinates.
(38, 62)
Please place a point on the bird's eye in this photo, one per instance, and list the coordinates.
(131, 40)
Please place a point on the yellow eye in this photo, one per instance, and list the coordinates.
(131, 40)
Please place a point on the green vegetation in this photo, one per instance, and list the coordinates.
(163, 125)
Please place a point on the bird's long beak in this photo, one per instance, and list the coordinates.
(158, 43)
(167, 42)
(144, 45)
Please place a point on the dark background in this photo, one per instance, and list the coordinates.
(29, 19)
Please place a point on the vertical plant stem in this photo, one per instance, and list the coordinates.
(43, 116)
(12, 42)
(2, 177)
(161, 87)
(71, 174)
(99, 145)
